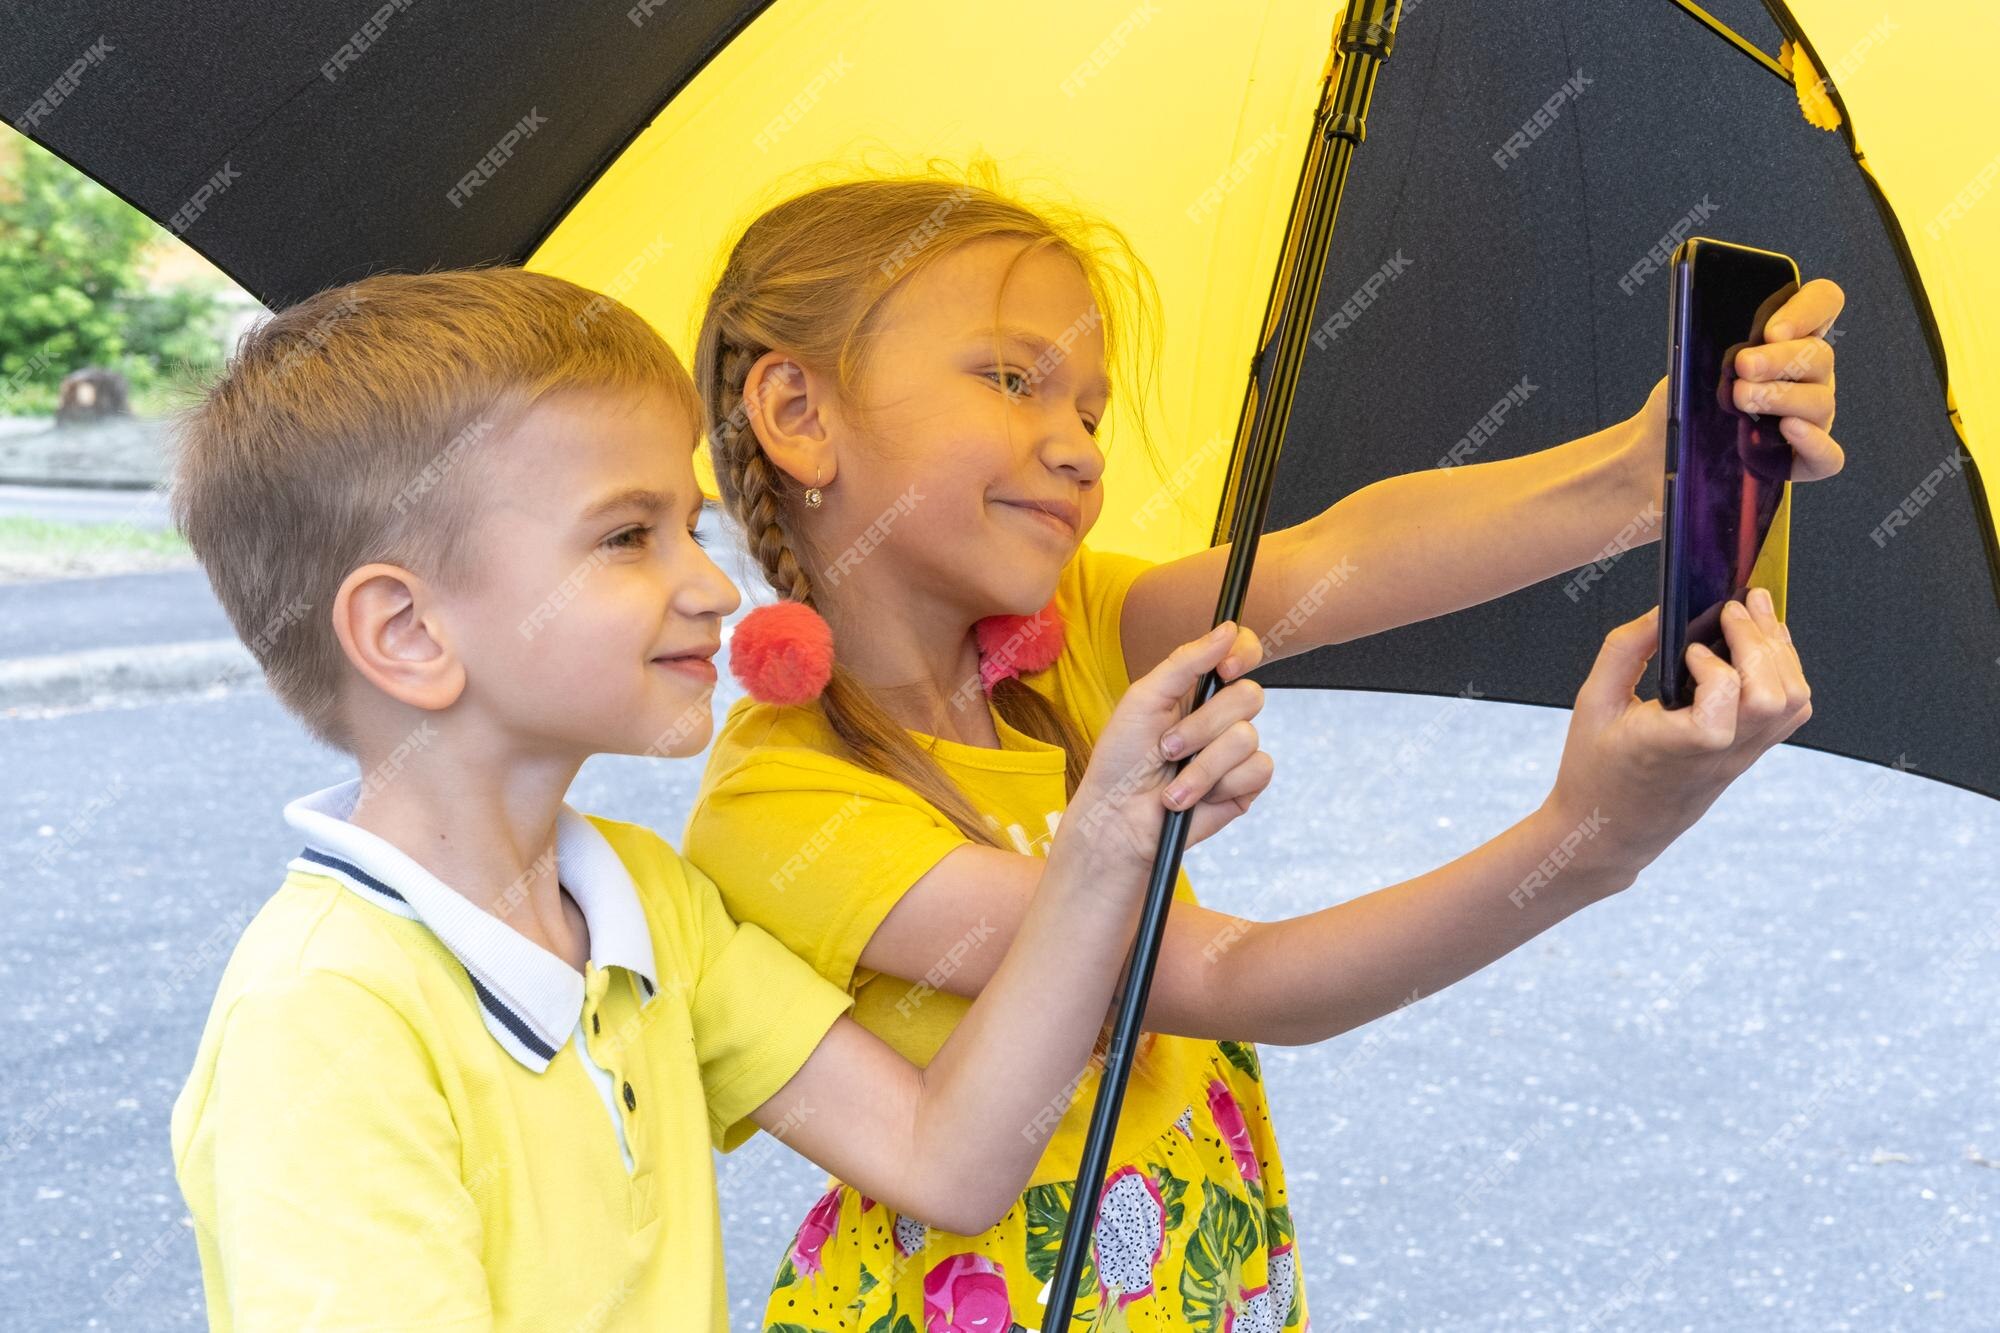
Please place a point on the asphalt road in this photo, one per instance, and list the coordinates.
(117, 611)
(1757, 1091)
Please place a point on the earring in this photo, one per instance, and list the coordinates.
(812, 492)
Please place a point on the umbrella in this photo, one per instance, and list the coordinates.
(1496, 283)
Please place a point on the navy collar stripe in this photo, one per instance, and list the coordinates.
(510, 1020)
(353, 871)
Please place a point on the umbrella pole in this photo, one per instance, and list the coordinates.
(1362, 42)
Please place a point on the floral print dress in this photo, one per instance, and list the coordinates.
(1195, 1233)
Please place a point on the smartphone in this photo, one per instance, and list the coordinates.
(1727, 471)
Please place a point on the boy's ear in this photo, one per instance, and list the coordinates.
(381, 616)
(789, 409)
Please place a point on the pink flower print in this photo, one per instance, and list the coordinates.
(966, 1293)
(1229, 1119)
(819, 1224)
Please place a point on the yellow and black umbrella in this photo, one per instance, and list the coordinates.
(1496, 282)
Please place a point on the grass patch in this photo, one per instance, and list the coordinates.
(38, 548)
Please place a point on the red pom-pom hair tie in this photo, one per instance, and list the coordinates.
(782, 653)
(1010, 645)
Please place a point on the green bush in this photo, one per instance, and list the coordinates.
(72, 295)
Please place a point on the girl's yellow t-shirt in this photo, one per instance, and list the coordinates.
(816, 850)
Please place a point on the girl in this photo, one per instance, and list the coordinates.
(904, 379)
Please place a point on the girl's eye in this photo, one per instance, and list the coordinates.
(641, 531)
(1010, 374)
(699, 540)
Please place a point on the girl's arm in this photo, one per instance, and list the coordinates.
(955, 1142)
(1633, 777)
(1290, 982)
(1428, 543)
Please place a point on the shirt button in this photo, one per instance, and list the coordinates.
(631, 1102)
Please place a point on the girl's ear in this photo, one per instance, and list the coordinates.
(789, 411)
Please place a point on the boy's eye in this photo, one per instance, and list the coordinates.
(642, 532)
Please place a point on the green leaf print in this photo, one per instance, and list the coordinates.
(1277, 1226)
(893, 1322)
(1212, 1274)
(868, 1281)
(1243, 1056)
(786, 1328)
(1171, 1188)
(787, 1275)
(1047, 1211)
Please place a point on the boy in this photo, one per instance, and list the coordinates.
(465, 1067)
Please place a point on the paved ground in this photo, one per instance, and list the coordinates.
(1758, 1091)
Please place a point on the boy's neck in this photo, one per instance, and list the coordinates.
(487, 832)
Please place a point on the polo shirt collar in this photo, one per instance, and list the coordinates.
(529, 998)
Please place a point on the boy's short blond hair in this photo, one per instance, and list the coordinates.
(347, 429)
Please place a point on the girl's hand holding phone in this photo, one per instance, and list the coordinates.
(1645, 773)
(1121, 805)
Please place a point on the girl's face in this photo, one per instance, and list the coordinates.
(978, 476)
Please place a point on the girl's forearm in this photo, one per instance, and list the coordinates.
(1427, 543)
(1312, 977)
(1001, 1082)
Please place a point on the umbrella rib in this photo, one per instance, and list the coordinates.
(1734, 38)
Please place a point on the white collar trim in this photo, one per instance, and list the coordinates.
(529, 998)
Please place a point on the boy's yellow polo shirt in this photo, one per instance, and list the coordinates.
(403, 1114)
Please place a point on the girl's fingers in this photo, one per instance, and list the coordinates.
(1709, 724)
(1755, 658)
(1786, 398)
(1812, 310)
(1815, 454)
(1174, 679)
(1791, 672)
(1231, 797)
(1236, 743)
(1234, 702)
(1808, 360)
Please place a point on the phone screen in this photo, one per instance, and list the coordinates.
(1727, 469)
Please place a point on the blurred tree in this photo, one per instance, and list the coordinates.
(72, 290)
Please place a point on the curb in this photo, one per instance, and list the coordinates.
(113, 675)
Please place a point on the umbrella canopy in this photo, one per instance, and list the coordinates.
(1497, 281)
